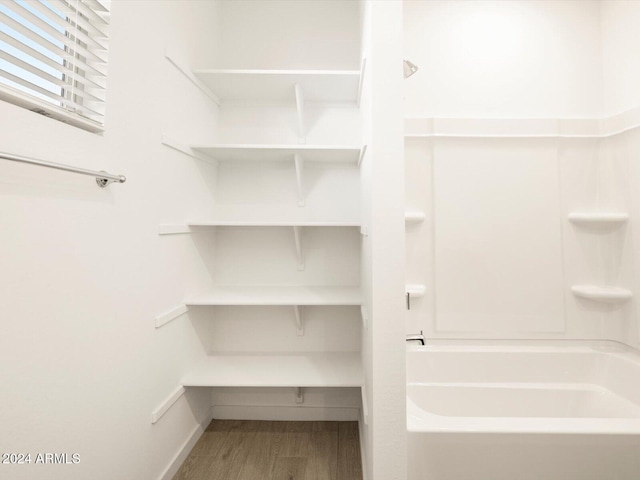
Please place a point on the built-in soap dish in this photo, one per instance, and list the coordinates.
(599, 220)
(602, 294)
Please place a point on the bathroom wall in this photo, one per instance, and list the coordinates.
(517, 59)
(496, 252)
(621, 71)
(84, 272)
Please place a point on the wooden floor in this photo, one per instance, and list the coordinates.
(252, 450)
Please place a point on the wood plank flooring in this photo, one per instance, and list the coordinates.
(257, 450)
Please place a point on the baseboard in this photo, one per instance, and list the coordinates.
(187, 446)
(285, 412)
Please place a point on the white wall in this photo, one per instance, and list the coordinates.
(84, 272)
(503, 59)
(280, 34)
(497, 252)
(621, 65)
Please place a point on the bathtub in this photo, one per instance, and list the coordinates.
(523, 411)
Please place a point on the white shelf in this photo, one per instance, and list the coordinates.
(414, 216)
(298, 154)
(602, 294)
(415, 290)
(270, 153)
(599, 219)
(269, 223)
(329, 86)
(264, 296)
(330, 369)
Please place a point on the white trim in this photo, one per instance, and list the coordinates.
(170, 315)
(298, 412)
(20, 99)
(186, 448)
(173, 229)
(597, 127)
(159, 412)
(181, 65)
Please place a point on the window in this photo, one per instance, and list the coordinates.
(53, 58)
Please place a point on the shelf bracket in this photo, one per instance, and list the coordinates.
(299, 395)
(297, 159)
(300, 109)
(299, 320)
(297, 237)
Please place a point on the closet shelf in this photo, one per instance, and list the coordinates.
(270, 153)
(602, 294)
(415, 290)
(270, 223)
(599, 219)
(329, 86)
(414, 216)
(277, 296)
(330, 369)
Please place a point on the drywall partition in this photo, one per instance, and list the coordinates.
(509, 119)
(384, 433)
(84, 273)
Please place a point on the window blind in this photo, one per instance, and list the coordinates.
(53, 57)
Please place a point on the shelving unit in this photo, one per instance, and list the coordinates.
(269, 295)
(326, 369)
(600, 220)
(288, 93)
(602, 293)
(335, 86)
